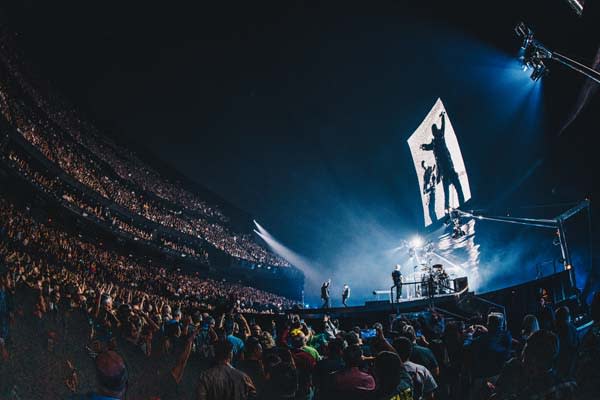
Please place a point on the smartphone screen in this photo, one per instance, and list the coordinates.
(368, 333)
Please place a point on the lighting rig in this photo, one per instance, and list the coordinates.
(534, 55)
(453, 220)
(556, 224)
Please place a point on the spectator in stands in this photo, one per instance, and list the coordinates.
(111, 375)
(5, 311)
(588, 373)
(492, 349)
(569, 343)
(453, 339)
(230, 326)
(223, 381)
(419, 354)
(529, 327)
(424, 384)
(545, 313)
(351, 381)
(282, 376)
(252, 364)
(541, 382)
(305, 364)
(392, 381)
(326, 367)
(266, 340)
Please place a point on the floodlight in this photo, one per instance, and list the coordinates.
(534, 53)
(416, 242)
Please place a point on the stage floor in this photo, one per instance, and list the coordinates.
(384, 306)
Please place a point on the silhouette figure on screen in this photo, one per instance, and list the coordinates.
(445, 167)
(428, 177)
(429, 181)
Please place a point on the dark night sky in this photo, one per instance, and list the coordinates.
(299, 112)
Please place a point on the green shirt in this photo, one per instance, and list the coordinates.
(312, 351)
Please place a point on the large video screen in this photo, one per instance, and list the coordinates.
(441, 171)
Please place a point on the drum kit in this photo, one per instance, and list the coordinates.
(434, 280)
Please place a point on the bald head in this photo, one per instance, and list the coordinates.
(111, 373)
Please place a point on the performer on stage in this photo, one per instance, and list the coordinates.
(397, 278)
(431, 286)
(345, 294)
(325, 293)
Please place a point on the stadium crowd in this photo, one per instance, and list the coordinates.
(93, 160)
(153, 332)
(173, 322)
(132, 309)
(77, 203)
(48, 248)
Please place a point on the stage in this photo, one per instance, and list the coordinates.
(381, 310)
(514, 302)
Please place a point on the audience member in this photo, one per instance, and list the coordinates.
(223, 381)
(424, 384)
(111, 375)
(392, 380)
(351, 381)
(568, 344)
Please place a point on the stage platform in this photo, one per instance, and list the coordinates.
(378, 309)
(514, 302)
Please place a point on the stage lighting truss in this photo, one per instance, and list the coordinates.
(557, 224)
(534, 56)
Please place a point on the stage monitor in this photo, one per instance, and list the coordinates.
(441, 171)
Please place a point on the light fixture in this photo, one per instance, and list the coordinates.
(533, 55)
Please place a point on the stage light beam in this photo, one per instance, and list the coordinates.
(292, 257)
(416, 242)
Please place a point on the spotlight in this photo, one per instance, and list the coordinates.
(525, 33)
(533, 52)
(416, 242)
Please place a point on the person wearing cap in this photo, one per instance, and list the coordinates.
(111, 378)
